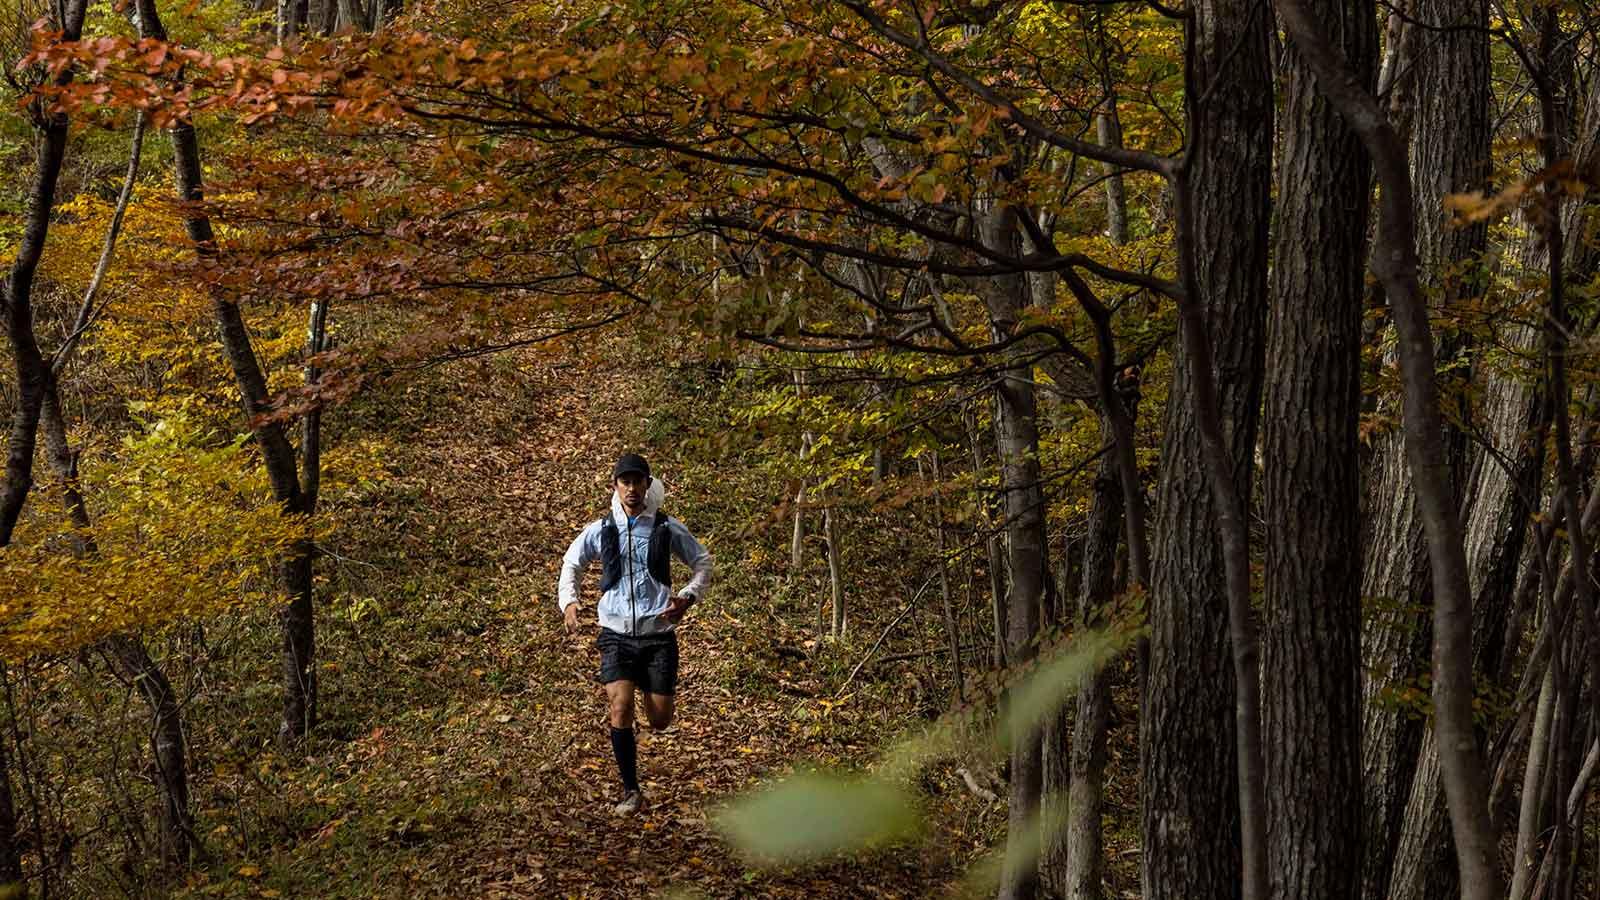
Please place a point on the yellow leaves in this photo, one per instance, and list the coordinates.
(183, 527)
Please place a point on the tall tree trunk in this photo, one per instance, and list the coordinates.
(1311, 484)
(1451, 155)
(1072, 858)
(1188, 740)
(1396, 263)
(1028, 565)
(311, 424)
(295, 570)
(1529, 823)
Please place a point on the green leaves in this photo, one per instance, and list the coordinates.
(1054, 678)
(812, 816)
(815, 815)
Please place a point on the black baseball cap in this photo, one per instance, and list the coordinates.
(630, 462)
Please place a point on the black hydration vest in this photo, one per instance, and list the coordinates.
(660, 559)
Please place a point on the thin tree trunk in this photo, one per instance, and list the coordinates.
(1075, 870)
(1311, 484)
(130, 658)
(134, 663)
(991, 543)
(31, 371)
(1083, 860)
(797, 542)
(87, 310)
(32, 374)
(951, 626)
(311, 425)
(1396, 265)
(835, 574)
(11, 874)
(1558, 327)
(1528, 826)
(294, 571)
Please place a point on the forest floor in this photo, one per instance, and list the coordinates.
(463, 750)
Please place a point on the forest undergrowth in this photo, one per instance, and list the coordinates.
(462, 752)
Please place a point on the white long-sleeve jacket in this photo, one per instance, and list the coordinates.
(634, 605)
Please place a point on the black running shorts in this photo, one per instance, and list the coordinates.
(650, 661)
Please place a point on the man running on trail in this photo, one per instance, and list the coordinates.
(638, 612)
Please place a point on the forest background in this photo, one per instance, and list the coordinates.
(1148, 448)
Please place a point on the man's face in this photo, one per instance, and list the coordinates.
(630, 490)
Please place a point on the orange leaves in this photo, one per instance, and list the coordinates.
(1478, 206)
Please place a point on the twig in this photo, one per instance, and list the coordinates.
(874, 649)
(87, 311)
(978, 790)
(918, 654)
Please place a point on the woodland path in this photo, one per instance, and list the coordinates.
(511, 724)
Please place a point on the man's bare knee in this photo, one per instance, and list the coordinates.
(621, 715)
(658, 710)
(619, 696)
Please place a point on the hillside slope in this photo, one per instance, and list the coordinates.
(463, 751)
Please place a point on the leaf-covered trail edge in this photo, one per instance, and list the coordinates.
(465, 752)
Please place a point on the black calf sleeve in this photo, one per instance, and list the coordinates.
(627, 754)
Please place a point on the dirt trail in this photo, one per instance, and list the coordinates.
(539, 747)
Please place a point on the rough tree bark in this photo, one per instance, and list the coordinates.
(1449, 153)
(1311, 484)
(1189, 788)
(1395, 263)
(1516, 416)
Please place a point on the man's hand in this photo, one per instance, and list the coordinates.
(678, 606)
(571, 616)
